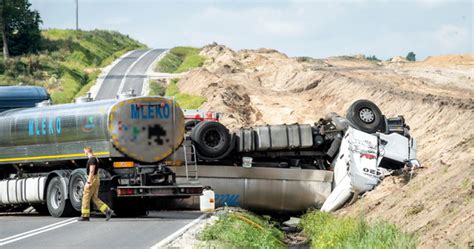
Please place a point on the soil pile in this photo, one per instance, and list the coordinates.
(436, 96)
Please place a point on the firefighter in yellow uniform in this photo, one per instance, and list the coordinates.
(91, 189)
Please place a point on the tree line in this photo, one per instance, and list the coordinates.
(19, 28)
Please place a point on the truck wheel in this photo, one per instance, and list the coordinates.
(211, 138)
(58, 205)
(76, 187)
(365, 116)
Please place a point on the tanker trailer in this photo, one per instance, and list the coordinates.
(42, 161)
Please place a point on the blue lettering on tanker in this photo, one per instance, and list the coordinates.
(140, 111)
(227, 200)
(51, 127)
(44, 126)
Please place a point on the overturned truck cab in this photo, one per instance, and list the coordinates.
(42, 161)
(293, 167)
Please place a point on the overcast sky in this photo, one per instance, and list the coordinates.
(298, 28)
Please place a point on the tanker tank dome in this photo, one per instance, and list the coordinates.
(127, 94)
(44, 103)
(84, 99)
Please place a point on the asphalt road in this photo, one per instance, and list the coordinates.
(128, 74)
(34, 231)
(142, 232)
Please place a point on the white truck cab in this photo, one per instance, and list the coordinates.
(357, 167)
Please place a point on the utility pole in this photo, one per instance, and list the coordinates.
(77, 14)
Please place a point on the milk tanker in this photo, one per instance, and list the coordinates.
(42, 161)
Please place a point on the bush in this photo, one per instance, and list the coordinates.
(329, 231)
(411, 56)
(372, 58)
(156, 88)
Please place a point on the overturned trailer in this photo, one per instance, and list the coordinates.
(290, 168)
(42, 160)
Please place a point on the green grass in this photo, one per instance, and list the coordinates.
(242, 230)
(180, 59)
(329, 231)
(184, 100)
(156, 88)
(68, 63)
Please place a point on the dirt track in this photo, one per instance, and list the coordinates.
(436, 97)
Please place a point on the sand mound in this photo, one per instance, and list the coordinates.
(264, 86)
(450, 60)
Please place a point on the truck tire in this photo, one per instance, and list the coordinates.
(365, 116)
(58, 205)
(212, 139)
(76, 187)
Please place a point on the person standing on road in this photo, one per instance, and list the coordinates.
(91, 189)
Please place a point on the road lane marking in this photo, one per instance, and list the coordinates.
(33, 232)
(146, 83)
(104, 73)
(122, 82)
(178, 233)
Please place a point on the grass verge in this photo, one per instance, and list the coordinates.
(329, 231)
(185, 101)
(68, 62)
(242, 230)
(180, 59)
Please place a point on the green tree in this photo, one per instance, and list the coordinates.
(411, 56)
(19, 27)
(372, 58)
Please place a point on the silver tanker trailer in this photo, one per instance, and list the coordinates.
(42, 161)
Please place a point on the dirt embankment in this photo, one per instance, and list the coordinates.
(436, 97)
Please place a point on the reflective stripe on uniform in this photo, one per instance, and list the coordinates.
(103, 208)
(85, 212)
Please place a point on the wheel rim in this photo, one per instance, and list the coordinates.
(367, 115)
(56, 198)
(77, 189)
(212, 138)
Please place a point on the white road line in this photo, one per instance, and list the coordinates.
(38, 231)
(149, 71)
(178, 233)
(104, 73)
(34, 230)
(122, 82)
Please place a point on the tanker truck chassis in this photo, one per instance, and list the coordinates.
(42, 161)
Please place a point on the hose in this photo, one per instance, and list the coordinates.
(254, 224)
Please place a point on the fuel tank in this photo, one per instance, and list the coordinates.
(145, 129)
